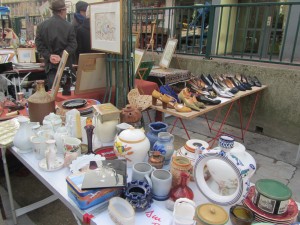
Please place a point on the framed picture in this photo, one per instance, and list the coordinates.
(138, 55)
(145, 69)
(168, 53)
(135, 39)
(59, 73)
(26, 55)
(106, 26)
(4, 58)
(91, 73)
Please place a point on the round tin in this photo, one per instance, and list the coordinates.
(271, 196)
(210, 214)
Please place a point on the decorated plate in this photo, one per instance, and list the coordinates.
(288, 216)
(82, 163)
(59, 163)
(74, 103)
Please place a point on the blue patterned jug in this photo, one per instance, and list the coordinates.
(164, 145)
(154, 129)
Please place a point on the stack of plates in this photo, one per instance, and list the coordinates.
(288, 217)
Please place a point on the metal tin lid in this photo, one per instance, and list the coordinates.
(273, 189)
(212, 214)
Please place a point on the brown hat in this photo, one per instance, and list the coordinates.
(57, 5)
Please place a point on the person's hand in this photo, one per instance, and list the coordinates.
(54, 59)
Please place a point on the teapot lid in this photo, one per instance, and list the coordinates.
(132, 135)
(53, 118)
(212, 214)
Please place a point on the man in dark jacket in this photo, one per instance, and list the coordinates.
(53, 36)
(80, 14)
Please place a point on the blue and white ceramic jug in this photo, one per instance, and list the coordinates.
(164, 145)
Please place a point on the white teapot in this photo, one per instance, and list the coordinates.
(132, 144)
(54, 120)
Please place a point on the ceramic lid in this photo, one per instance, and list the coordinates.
(212, 214)
(52, 118)
(192, 144)
(132, 135)
(273, 189)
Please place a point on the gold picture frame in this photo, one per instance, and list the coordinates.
(91, 73)
(138, 55)
(106, 26)
(26, 55)
(4, 58)
(59, 73)
(168, 53)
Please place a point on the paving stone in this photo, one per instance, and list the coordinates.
(275, 171)
(258, 176)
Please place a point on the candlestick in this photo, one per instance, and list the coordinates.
(89, 128)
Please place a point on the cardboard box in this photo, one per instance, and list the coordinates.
(107, 112)
(87, 199)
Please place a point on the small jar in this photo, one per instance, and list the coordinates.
(179, 164)
(156, 159)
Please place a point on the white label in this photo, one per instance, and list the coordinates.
(283, 206)
(266, 204)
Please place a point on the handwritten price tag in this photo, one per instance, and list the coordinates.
(154, 216)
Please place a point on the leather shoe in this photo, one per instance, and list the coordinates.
(207, 101)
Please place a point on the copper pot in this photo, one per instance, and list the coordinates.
(130, 114)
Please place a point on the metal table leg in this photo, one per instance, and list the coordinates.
(10, 195)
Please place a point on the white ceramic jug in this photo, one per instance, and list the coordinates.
(60, 133)
(22, 137)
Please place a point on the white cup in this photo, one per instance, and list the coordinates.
(72, 149)
(142, 171)
(161, 184)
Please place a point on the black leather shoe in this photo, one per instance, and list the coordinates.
(207, 81)
(207, 101)
(256, 81)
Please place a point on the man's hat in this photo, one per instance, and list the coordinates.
(57, 5)
(81, 6)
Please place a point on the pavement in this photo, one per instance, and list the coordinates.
(276, 159)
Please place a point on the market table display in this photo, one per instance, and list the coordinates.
(224, 102)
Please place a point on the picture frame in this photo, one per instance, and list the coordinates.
(138, 55)
(4, 58)
(106, 26)
(168, 53)
(26, 55)
(146, 67)
(91, 73)
(59, 73)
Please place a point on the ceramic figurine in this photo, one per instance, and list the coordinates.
(165, 146)
(154, 129)
(133, 145)
(50, 154)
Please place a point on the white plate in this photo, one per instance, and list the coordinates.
(59, 163)
(82, 162)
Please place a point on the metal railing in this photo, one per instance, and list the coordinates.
(263, 32)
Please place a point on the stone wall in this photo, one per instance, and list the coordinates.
(278, 109)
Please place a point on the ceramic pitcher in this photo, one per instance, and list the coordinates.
(164, 144)
(154, 129)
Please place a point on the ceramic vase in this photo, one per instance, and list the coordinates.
(156, 159)
(154, 129)
(179, 164)
(182, 190)
(133, 145)
(138, 194)
(22, 137)
(164, 145)
(40, 104)
(105, 131)
(130, 114)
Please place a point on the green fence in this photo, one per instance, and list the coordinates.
(264, 32)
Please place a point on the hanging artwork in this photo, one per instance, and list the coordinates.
(105, 19)
(168, 53)
(138, 55)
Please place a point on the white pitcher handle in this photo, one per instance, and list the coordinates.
(149, 181)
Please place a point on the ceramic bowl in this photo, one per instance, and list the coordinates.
(241, 215)
(226, 142)
(120, 211)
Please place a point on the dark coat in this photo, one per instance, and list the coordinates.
(84, 38)
(53, 36)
